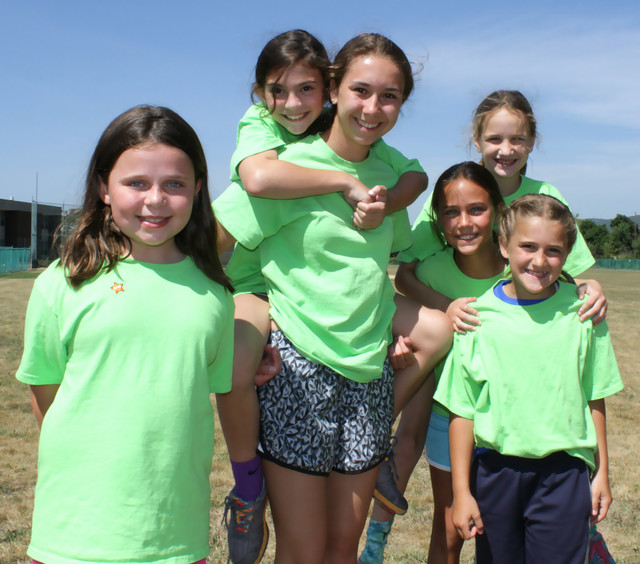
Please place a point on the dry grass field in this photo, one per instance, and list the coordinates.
(410, 537)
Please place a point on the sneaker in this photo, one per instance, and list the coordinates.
(387, 493)
(247, 530)
(377, 534)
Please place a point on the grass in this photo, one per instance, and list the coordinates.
(410, 537)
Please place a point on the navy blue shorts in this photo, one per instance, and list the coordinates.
(533, 510)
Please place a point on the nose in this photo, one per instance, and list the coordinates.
(155, 196)
(293, 101)
(372, 104)
(463, 220)
(538, 259)
(505, 147)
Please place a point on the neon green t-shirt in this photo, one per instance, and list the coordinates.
(126, 447)
(441, 273)
(426, 241)
(326, 280)
(526, 375)
(259, 132)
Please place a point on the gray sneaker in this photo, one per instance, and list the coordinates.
(247, 530)
(387, 493)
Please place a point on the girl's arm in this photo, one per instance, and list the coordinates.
(465, 512)
(383, 202)
(224, 239)
(41, 399)
(600, 490)
(266, 176)
(596, 305)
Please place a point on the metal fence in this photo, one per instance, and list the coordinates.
(619, 264)
(14, 260)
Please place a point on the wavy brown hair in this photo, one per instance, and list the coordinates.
(97, 243)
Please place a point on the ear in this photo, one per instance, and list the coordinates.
(476, 143)
(531, 144)
(498, 212)
(333, 92)
(198, 186)
(503, 248)
(259, 92)
(103, 193)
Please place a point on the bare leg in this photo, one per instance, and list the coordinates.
(431, 336)
(348, 499)
(445, 544)
(299, 509)
(238, 409)
(410, 435)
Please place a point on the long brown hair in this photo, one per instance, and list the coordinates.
(97, 242)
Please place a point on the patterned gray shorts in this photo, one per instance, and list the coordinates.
(316, 421)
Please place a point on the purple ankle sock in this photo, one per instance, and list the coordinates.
(248, 476)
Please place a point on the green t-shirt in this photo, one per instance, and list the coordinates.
(326, 280)
(526, 374)
(126, 447)
(259, 132)
(441, 273)
(426, 241)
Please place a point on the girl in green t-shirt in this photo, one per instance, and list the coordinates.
(466, 204)
(126, 337)
(291, 85)
(333, 278)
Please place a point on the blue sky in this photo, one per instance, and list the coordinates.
(68, 68)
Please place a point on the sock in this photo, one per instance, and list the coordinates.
(377, 533)
(248, 477)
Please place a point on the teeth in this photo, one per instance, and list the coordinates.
(466, 237)
(296, 117)
(367, 125)
(153, 220)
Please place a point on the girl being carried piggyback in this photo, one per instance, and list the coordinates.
(526, 391)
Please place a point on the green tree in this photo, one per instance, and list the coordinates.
(622, 234)
(596, 236)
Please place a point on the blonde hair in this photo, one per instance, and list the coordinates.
(544, 206)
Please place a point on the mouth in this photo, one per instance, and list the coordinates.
(154, 221)
(366, 125)
(506, 162)
(295, 118)
(538, 274)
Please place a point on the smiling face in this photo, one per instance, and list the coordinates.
(505, 144)
(368, 102)
(537, 251)
(294, 96)
(151, 190)
(467, 216)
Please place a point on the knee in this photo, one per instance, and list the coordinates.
(433, 332)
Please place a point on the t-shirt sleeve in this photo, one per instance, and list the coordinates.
(220, 370)
(458, 389)
(44, 358)
(257, 133)
(424, 236)
(249, 219)
(396, 159)
(601, 377)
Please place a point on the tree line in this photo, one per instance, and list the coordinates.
(620, 241)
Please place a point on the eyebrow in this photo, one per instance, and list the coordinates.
(362, 83)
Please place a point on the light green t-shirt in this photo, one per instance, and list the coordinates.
(259, 132)
(326, 280)
(126, 447)
(441, 273)
(426, 241)
(526, 375)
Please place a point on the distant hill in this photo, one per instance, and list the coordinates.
(607, 222)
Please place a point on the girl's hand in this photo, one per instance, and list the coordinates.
(356, 192)
(369, 215)
(600, 497)
(595, 307)
(466, 516)
(270, 365)
(401, 353)
(463, 317)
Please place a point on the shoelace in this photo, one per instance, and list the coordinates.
(243, 513)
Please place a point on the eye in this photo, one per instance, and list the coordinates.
(359, 89)
(493, 139)
(391, 96)
(137, 184)
(175, 184)
(477, 210)
(307, 88)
